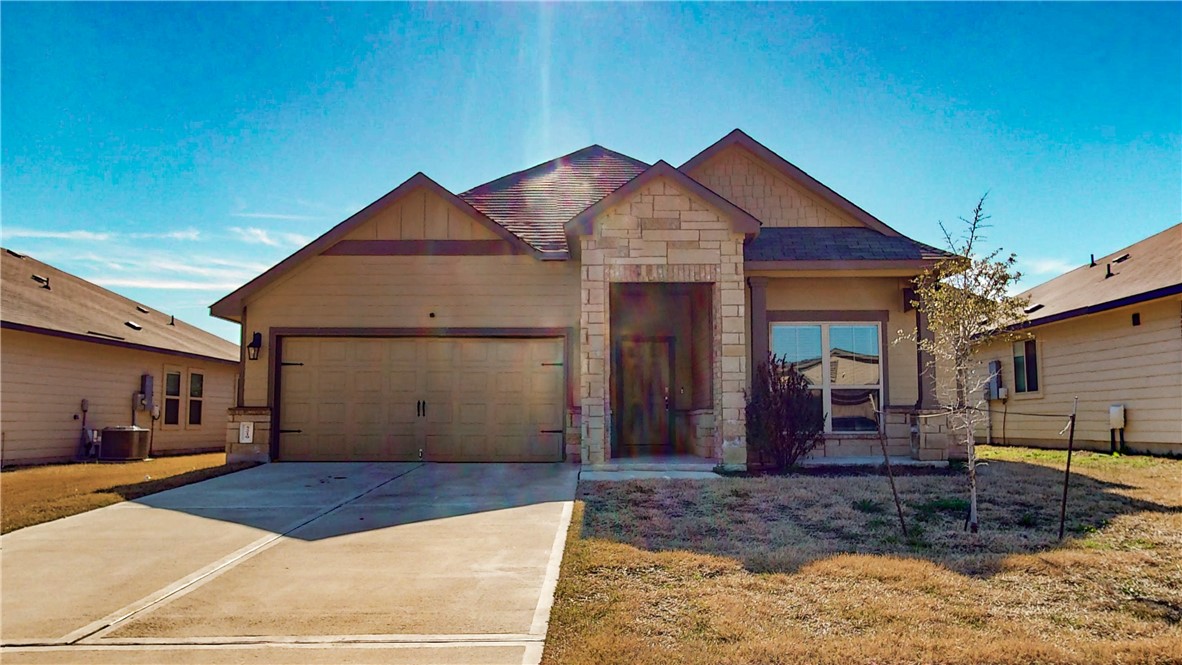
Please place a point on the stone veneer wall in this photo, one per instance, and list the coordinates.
(259, 450)
(662, 234)
(740, 177)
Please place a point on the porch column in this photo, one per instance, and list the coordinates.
(759, 331)
(927, 370)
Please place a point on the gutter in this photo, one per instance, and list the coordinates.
(1102, 307)
(21, 327)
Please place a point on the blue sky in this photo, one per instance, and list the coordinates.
(171, 152)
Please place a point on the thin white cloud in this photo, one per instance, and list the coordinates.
(259, 236)
(55, 235)
(276, 215)
(1046, 266)
(169, 284)
(186, 234)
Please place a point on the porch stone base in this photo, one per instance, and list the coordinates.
(259, 449)
(936, 441)
(663, 233)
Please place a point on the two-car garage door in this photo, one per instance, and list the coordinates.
(408, 398)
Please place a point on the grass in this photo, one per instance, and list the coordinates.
(32, 495)
(813, 569)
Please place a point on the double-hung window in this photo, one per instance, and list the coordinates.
(184, 397)
(1025, 367)
(842, 363)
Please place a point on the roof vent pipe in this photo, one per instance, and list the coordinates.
(1093, 261)
(171, 320)
(1108, 267)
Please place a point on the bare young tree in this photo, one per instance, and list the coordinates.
(968, 307)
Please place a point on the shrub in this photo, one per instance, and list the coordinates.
(784, 418)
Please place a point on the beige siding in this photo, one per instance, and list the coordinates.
(46, 378)
(1104, 360)
(404, 291)
(866, 294)
(422, 215)
(775, 200)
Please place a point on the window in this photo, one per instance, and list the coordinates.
(1025, 367)
(184, 397)
(842, 361)
(172, 398)
(196, 392)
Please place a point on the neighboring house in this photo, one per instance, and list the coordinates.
(1109, 332)
(66, 341)
(589, 308)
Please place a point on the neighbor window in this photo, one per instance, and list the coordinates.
(172, 398)
(842, 362)
(1025, 367)
(196, 393)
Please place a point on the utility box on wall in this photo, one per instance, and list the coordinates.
(1116, 416)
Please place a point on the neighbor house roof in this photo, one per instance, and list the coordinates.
(1147, 270)
(536, 203)
(38, 298)
(845, 244)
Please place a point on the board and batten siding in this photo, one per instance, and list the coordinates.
(773, 199)
(1104, 360)
(45, 379)
(859, 294)
(420, 291)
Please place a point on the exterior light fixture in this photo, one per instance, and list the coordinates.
(252, 349)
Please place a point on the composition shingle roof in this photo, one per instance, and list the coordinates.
(1147, 269)
(534, 204)
(835, 244)
(79, 309)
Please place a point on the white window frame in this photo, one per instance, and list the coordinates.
(827, 384)
(183, 399)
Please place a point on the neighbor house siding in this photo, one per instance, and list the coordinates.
(1103, 359)
(46, 378)
(771, 198)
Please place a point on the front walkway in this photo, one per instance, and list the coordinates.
(333, 563)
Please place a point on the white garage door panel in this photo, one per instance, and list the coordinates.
(485, 399)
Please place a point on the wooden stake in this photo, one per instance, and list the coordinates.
(890, 473)
(1067, 473)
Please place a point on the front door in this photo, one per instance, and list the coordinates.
(644, 370)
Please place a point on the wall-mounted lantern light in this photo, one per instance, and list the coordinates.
(252, 349)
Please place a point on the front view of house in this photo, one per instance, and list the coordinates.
(587, 309)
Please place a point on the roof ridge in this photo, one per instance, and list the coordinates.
(528, 171)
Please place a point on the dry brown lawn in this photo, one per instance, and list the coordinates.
(812, 568)
(39, 494)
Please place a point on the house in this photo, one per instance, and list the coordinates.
(1109, 332)
(73, 354)
(589, 308)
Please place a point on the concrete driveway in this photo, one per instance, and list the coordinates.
(300, 563)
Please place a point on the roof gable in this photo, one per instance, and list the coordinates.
(741, 220)
(784, 168)
(536, 203)
(231, 305)
(36, 297)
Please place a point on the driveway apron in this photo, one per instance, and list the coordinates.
(418, 562)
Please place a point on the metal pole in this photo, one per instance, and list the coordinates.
(1067, 473)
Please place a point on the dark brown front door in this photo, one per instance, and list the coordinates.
(642, 413)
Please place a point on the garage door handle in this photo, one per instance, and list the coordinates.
(424, 408)
(418, 408)
(550, 431)
(291, 431)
